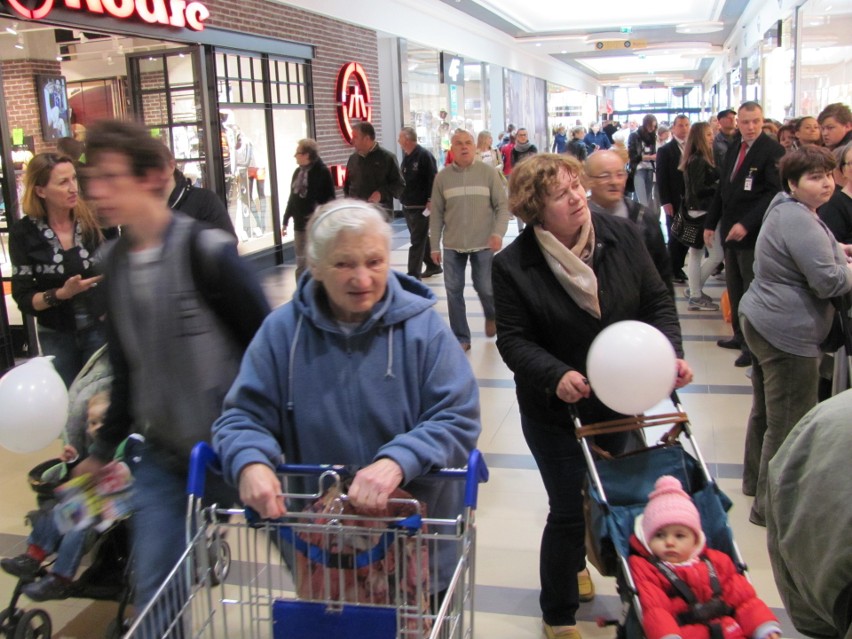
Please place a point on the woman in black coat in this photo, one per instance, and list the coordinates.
(570, 274)
(312, 185)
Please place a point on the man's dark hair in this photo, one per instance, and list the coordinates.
(750, 105)
(131, 140)
(808, 159)
(839, 111)
(365, 128)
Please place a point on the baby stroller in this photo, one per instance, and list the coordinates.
(106, 577)
(618, 489)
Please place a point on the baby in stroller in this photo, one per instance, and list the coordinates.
(687, 590)
(47, 538)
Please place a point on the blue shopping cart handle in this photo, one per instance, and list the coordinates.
(203, 457)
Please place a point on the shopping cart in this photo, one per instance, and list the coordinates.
(241, 577)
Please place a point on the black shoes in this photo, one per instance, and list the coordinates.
(432, 270)
(23, 566)
(49, 587)
(734, 343)
(679, 277)
(743, 360)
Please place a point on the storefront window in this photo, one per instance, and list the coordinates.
(568, 108)
(249, 137)
(776, 71)
(825, 75)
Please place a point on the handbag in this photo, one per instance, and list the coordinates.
(838, 336)
(689, 228)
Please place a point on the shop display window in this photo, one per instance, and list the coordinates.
(825, 75)
(263, 112)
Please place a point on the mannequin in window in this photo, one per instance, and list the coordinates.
(243, 154)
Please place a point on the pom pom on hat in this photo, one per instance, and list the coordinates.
(669, 505)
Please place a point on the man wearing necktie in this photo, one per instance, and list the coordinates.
(749, 181)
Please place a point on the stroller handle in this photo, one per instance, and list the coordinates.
(203, 457)
(679, 421)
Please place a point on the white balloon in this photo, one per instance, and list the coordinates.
(34, 404)
(631, 367)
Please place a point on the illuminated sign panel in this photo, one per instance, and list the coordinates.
(354, 103)
(173, 13)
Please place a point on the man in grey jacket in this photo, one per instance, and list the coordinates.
(470, 215)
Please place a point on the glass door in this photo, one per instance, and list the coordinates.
(166, 95)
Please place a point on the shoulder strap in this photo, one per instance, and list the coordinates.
(680, 586)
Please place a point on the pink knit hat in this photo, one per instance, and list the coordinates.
(668, 504)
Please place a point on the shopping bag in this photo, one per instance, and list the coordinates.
(726, 307)
(365, 560)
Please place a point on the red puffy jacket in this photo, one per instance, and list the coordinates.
(661, 604)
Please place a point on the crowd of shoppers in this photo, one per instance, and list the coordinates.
(774, 203)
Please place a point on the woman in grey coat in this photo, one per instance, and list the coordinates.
(787, 311)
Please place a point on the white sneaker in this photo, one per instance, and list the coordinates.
(702, 304)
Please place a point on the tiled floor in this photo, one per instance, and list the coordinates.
(512, 506)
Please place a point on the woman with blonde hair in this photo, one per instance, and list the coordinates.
(701, 178)
(486, 153)
(52, 249)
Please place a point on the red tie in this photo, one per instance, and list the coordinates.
(740, 158)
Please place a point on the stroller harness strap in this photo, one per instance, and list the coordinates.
(703, 613)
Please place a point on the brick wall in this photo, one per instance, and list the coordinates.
(336, 43)
(22, 96)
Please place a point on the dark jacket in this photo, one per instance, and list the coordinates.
(376, 171)
(320, 190)
(542, 333)
(174, 361)
(33, 249)
(732, 203)
(837, 215)
(649, 225)
(199, 203)
(599, 140)
(669, 177)
(418, 170)
(518, 156)
(721, 145)
(701, 181)
(639, 144)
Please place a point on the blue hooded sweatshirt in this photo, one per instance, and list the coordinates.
(398, 386)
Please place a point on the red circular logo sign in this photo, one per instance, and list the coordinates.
(353, 98)
(32, 14)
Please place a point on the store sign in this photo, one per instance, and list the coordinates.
(353, 98)
(173, 13)
(452, 69)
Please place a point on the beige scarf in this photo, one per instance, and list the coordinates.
(572, 266)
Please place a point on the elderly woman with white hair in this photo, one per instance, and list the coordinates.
(357, 369)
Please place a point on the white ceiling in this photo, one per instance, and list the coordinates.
(674, 41)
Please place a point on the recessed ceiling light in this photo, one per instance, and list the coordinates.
(564, 51)
(13, 29)
(710, 26)
(538, 44)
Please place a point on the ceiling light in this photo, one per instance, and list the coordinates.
(538, 44)
(709, 26)
(13, 29)
(59, 58)
(109, 60)
(20, 43)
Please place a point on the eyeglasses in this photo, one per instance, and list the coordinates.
(608, 176)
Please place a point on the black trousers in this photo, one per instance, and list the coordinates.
(420, 252)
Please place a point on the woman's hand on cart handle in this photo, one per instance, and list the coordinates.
(684, 374)
(260, 489)
(573, 387)
(373, 485)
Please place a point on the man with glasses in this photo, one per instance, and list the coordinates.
(606, 178)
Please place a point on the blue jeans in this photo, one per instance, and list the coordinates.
(455, 264)
(69, 548)
(71, 349)
(563, 549)
(158, 525)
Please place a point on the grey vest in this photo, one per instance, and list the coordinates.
(181, 357)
